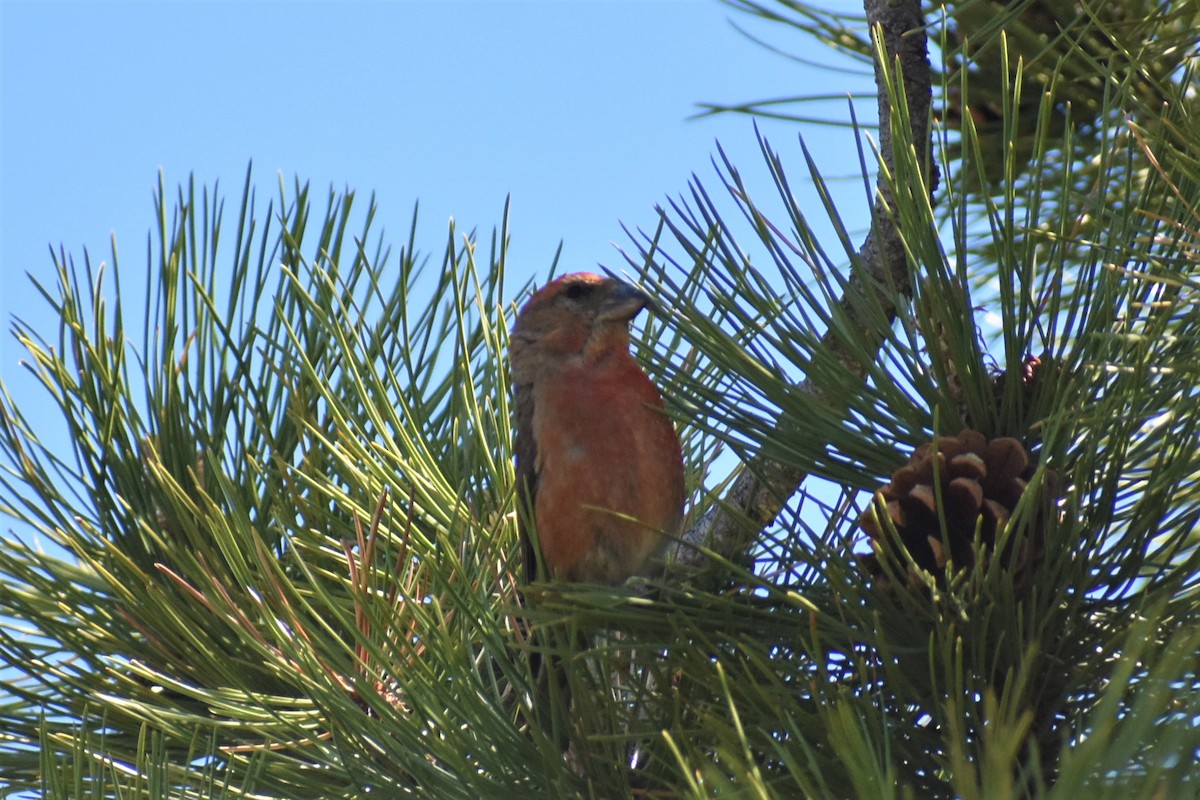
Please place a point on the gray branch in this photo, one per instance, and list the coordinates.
(761, 487)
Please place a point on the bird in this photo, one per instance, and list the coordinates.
(599, 466)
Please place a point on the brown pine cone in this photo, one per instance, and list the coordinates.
(979, 482)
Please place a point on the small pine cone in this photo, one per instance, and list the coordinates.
(980, 483)
(1036, 373)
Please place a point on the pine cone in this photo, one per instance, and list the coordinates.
(980, 483)
(1036, 374)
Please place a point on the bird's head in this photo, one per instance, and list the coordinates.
(580, 314)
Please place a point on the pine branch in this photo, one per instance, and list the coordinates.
(878, 275)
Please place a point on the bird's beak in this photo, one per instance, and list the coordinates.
(623, 301)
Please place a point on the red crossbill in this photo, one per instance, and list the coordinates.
(599, 466)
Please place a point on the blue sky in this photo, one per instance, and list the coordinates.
(578, 110)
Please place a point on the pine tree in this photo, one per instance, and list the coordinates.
(958, 556)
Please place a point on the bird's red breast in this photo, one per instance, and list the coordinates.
(599, 464)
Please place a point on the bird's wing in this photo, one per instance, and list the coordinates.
(528, 476)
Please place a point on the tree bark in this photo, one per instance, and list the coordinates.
(761, 487)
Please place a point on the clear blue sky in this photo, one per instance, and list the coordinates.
(578, 110)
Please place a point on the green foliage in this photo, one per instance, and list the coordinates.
(1013, 76)
(278, 558)
(282, 497)
(978, 690)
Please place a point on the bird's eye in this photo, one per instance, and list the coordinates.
(577, 290)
